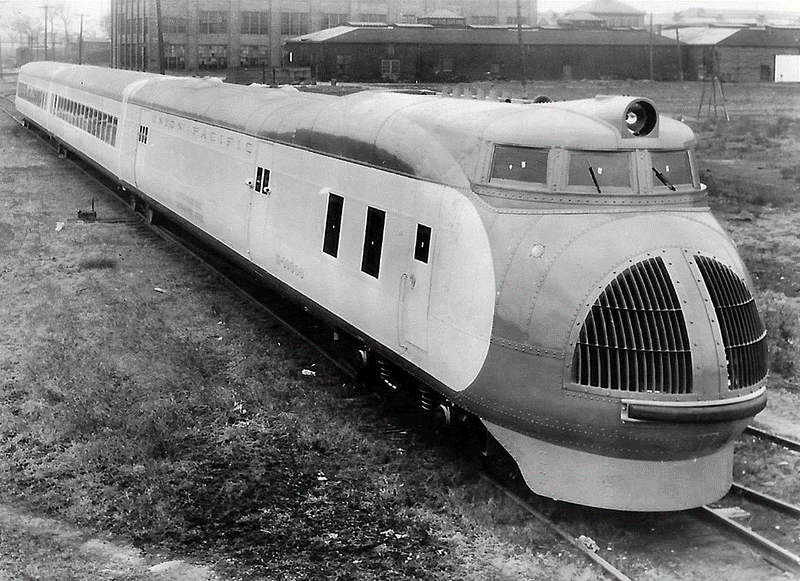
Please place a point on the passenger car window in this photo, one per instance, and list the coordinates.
(333, 225)
(423, 243)
(373, 241)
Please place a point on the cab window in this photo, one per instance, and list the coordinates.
(671, 167)
(600, 169)
(519, 164)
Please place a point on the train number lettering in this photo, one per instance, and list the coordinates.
(292, 267)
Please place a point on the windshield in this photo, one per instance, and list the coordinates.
(600, 169)
(521, 164)
(671, 168)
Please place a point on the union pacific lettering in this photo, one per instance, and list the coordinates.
(213, 135)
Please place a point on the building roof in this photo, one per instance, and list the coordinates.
(702, 36)
(580, 17)
(480, 36)
(608, 7)
(757, 37)
(437, 14)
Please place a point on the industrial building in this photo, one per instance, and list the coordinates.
(743, 54)
(215, 35)
(425, 53)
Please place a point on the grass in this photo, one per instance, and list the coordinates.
(781, 318)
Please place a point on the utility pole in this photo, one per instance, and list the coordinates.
(160, 34)
(46, 55)
(651, 46)
(521, 50)
(80, 43)
(1, 51)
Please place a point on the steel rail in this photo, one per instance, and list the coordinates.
(200, 255)
(772, 553)
(766, 500)
(780, 440)
(607, 567)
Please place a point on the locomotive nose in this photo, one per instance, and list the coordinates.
(630, 346)
(677, 319)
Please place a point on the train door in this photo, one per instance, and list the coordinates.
(259, 234)
(415, 284)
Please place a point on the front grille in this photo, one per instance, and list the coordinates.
(634, 339)
(743, 333)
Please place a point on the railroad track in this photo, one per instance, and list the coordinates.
(329, 344)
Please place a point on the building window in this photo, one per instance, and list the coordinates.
(343, 64)
(255, 23)
(484, 20)
(295, 23)
(408, 18)
(330, 20)
(513, 20)
(333, 225)
(373, 241)
(422, 247)
(390, 67)
(175, 57)
(213, 22)
(174, 24)
(447, 65)
(369, 17)
(253, 56)
(212, 57)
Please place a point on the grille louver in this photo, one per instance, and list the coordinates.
(743, 332)
(634, 339)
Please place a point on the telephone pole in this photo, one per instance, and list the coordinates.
(522, 66)
(46, 55)
(1, 50)
(80, 42)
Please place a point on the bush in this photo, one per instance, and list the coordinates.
(781, 317)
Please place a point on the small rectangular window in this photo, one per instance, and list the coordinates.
(143, 133)
(373, 241)
(333, 225)
(422, 246)
(520, 164)
(262, 181)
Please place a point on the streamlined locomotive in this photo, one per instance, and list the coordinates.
(552, 269)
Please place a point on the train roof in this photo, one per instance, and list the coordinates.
(445, 140)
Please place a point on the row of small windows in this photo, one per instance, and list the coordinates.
(93, 121)
(593, 169)
(373, 236)
(214, 56)
(32, 95)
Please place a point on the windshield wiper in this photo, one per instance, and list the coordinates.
(664, 179)
(594, 178)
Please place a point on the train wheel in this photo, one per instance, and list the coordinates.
(132, 203)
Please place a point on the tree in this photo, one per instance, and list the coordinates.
(62, 12)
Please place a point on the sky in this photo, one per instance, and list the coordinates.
(669, 6)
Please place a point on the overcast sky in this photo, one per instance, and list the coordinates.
(666, 6)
